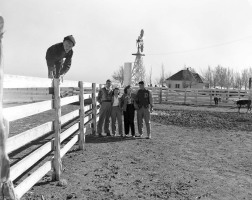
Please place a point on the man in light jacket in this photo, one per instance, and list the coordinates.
(105, 100)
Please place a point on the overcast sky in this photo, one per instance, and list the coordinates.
(195, 33)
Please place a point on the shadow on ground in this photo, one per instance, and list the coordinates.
(108, 139)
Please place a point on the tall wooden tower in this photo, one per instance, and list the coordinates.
(138, 71)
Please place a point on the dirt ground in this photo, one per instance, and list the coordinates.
(195, 153)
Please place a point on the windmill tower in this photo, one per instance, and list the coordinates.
(138, 71)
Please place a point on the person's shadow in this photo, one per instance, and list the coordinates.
(107, 139)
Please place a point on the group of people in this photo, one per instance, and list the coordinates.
(114, 106)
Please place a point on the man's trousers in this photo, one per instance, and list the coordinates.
(116, 114)
(128, 117)
(104, 115)
(57, 66)
(143, 113)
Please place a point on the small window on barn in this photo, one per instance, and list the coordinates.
(177, 86)
(169, 85)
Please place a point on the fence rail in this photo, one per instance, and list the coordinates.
(198, 96)
(53, 95)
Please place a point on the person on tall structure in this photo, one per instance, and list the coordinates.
(128, 100)
(116, 112)
(145, 107)
(56, 53)
(105, 100)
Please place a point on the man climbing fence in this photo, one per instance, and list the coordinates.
(55, 54)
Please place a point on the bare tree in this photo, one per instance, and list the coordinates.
(149, 81)
(142, 74)
(167, 75)
(237, 80)
(208, 76)
(118, 75)
(215, 78)
(229, 77)
(245, 78)
(221, 74)
(157, 81)
(232, 80)
(162, 77)
(250, 72)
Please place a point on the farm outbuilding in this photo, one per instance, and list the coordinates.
(185, 79)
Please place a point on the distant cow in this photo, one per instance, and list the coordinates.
(217, 100)
(242, 102)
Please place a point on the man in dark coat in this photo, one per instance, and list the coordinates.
(56, 53)
(144, 106)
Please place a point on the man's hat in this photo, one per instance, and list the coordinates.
(108, 80)
(70, 38)
(141, 83)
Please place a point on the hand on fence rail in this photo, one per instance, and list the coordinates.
(50, 75)
(151, 109)
(61, 78)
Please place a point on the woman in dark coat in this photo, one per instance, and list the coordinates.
(127, 101)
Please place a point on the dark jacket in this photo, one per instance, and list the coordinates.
(55, 55)
(144, 98)
(124, 101)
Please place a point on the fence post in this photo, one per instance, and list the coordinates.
(94, 108)
(228, 96)
(211, 97)
(82, 116)
(185, 97)
(250, 81)
(196, 97)
(57, 165)
(160, 95)
(166, 96)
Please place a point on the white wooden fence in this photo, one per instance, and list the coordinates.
(87, 115)
(198, 96)
(47, 95)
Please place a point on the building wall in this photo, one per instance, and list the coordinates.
(174, 84)
(199, 86)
